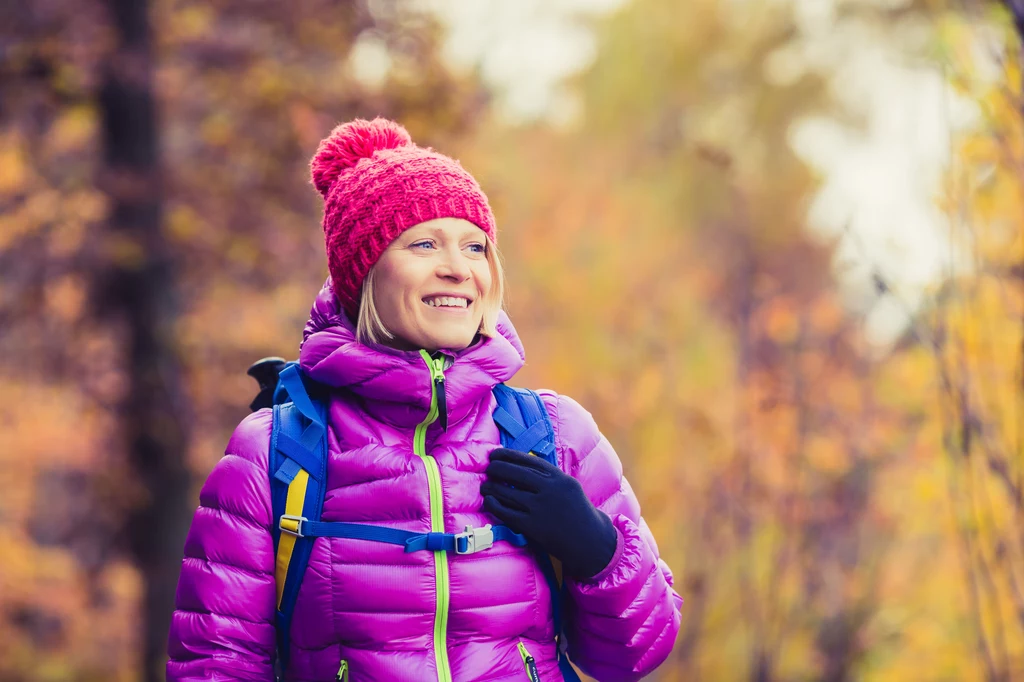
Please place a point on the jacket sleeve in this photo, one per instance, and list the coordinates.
(623, 622)
(223, 624)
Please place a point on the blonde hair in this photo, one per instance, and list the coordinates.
(370, 327)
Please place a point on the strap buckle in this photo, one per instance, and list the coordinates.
(295, 526)
(477, 539)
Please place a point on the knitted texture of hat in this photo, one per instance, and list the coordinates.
(376, 184)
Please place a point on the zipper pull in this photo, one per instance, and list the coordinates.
(437, 374)
(529, 663)
(342, 672)
(531, 669)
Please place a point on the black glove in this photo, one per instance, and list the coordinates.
(549, 507)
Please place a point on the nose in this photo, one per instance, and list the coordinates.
(453, 265)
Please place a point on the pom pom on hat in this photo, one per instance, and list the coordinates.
(349, 143)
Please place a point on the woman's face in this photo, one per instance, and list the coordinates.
(429, 285)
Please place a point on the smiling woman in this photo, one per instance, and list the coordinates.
(440, 283)
(395, 512)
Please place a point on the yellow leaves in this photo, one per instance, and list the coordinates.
(627, 254)
(183, 224)
(190, 22)
(217, 129)
(969, 385)
(65, 215)
(123, 250)
(243, 251)
(798, 659)
(646, 390)
(34, 213)
(981, 149)
(268, 82)
(984, 310)
(73, 130)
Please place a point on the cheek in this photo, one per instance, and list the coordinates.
(395, 297)
(407, 305)
(392, 307)
(483, 278)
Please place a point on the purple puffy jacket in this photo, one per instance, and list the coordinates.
(394, 616)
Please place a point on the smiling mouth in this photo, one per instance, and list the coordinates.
(448, 302)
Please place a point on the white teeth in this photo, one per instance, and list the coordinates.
(447, 302)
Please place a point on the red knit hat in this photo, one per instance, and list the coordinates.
(376, 184)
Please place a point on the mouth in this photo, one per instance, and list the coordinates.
(448, 302)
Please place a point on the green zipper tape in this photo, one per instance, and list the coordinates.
(419, 444)
(342, 672)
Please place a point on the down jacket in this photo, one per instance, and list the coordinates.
(394, 616)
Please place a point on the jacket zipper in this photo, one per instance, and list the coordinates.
(438, 406)
(529, 663)
(342, 672)
(437, 379)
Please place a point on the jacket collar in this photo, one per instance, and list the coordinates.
(395, 385)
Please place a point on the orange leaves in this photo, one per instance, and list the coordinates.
(14, 169)
(65, 299)
(780, 320)
(659, 273)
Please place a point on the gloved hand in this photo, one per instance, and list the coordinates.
(549, 507)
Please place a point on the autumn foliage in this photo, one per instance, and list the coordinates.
(832, 509)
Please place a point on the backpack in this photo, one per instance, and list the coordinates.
(298, 472)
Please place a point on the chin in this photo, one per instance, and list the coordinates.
(453, 341)
(456, 344)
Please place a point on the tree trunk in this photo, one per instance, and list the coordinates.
(138, 292)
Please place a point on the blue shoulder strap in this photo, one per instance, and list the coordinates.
(298, 469)
(524, 425)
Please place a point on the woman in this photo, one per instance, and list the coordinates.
(414, 267)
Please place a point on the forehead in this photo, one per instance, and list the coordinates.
(447, 227)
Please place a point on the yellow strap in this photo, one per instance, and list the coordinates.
(557, 565)
(286, 543)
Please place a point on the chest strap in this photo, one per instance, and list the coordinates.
(470, 541)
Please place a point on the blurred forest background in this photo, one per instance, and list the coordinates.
(820, 404)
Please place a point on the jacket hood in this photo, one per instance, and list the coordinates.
(395, 384)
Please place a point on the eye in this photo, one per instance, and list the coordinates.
(478, 248)
(425, 244)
